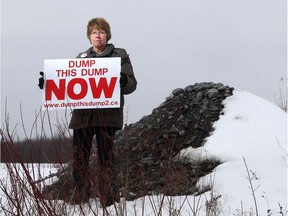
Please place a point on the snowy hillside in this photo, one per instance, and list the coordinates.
(254, 129)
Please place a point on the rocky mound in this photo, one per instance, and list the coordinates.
(146, 151)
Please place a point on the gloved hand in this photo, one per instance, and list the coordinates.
(41, 80)
(123, 79)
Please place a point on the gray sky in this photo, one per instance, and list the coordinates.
(240, 43)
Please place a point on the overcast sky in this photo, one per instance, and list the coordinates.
(172, 44)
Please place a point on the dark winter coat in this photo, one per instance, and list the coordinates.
(112, 117)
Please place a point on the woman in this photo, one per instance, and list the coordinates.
(103, 123)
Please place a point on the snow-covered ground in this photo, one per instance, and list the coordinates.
(251, 135)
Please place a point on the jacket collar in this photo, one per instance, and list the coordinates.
(108, 49)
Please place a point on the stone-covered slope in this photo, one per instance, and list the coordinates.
(145, 151)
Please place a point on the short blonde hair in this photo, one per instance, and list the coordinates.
(99, 24)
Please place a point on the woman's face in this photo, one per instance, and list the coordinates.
(98, 38)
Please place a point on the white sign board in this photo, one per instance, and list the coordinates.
(82, 83)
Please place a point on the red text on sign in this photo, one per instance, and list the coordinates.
(96, 88)
(81, 63)
(68, 72)
(94, 71)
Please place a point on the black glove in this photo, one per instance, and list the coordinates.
(41, 80)
(123, 79)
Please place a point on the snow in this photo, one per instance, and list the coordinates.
(251, 129)
(256, 132)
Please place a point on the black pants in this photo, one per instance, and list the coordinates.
(82, 144)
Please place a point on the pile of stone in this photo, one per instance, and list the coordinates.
(146, 151)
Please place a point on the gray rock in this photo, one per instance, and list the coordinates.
(177, 91)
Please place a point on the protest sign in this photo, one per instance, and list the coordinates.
(82, 83)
